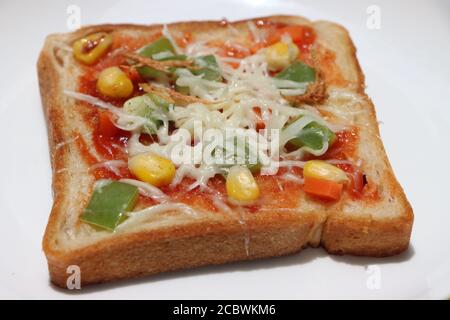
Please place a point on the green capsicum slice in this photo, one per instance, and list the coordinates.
(157, 47)
(147, 106)
(109, 203)
(161, 50)
(298, 72)
(174, 57)
(208, 68)
(253, 167)
(312, 136)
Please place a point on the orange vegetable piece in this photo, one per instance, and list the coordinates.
(325, 189)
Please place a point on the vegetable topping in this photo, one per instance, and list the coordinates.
(109, 203)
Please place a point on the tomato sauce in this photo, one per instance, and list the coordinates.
(99, 172)
(108, 145)
(196, 198)
(344, 146)
(326, 59)
(303, 36)
(274, 191)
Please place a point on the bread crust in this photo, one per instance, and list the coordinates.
(204, 242)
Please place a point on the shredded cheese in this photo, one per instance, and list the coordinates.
(138, 218)
(125, 121)
(292, 177)
(147, 190)
(112, 165)
(232, 107)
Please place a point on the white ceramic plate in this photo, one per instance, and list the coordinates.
(407, 69)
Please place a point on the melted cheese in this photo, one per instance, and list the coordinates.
(125, 121)
(147, 190)
(138, 218)
(292, 177)
(113, 165)
(232, 107)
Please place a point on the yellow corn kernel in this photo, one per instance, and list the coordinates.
(152, 168)
(91, 48)
(280, 55)
(113, 82)
(320, 169)
(241, 185)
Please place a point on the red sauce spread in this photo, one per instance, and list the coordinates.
(303, 36)
(95, 166)
(326, 59)
(344, 146)
(110, 142)
(274, 191)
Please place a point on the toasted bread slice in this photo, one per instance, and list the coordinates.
(171, 240)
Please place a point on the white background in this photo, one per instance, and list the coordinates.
(407, 70)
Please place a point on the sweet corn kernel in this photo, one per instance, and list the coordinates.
(113, 82)
(152, 168)
(91, 48)
(241, 185)
(280, 55)
(320, 169)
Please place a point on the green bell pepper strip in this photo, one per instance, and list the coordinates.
(161, 45)
(313, 135)
(163, 50)
(174, 57)
(150, 73)
(298, 72)
(154, 51)
(209, 69)
(140, 106)
(253, 167)
(109, 203)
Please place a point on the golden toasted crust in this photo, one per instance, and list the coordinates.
(169, 249)
(206, 241)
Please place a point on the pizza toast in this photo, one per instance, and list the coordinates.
(189, 225)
